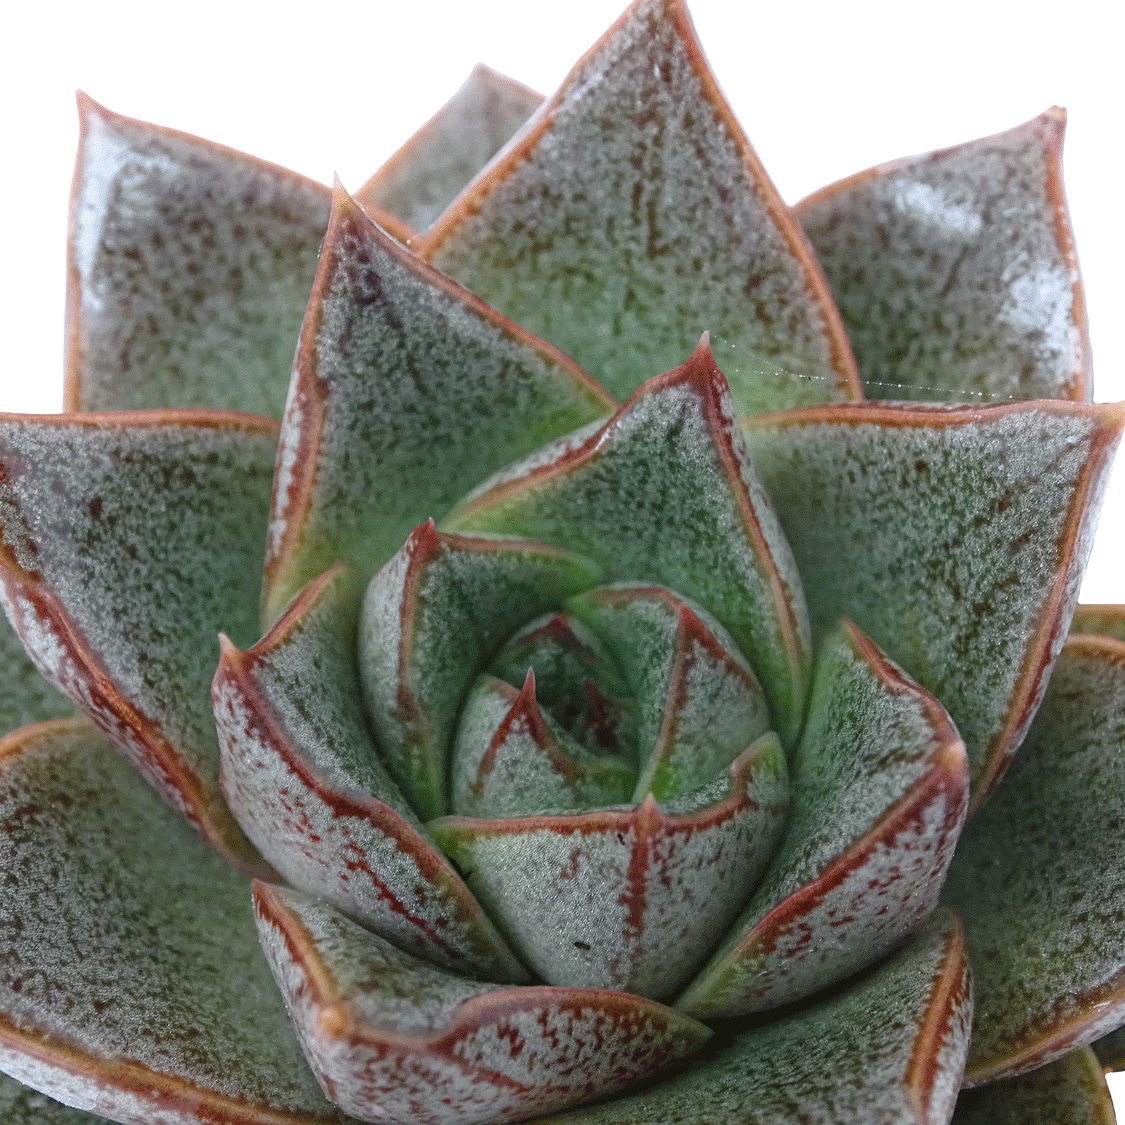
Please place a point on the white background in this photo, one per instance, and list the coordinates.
(823, 89)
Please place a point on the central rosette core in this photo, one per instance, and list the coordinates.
(628, 691)
(595, 759)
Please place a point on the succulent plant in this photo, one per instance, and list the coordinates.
(728, 751)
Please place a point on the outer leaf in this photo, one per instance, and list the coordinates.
(421, 179)
(20, 1105)
(395, 1041)
(1070, 1091)
(665, 492)
(431, 618)
(888, 1051)
(25, 696)
(304, 779)
(632, 215)
(189, 270)
(408, 391)
(131, 983)
(627, 898)
(129, 542)
(955, 272)
(1040, 876)
(955, 538)
(880, 789)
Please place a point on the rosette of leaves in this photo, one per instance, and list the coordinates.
(619, 733)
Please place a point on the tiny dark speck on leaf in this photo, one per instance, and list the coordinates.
(581, 945)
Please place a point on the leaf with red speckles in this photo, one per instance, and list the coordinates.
(189, 270)
(628, 898)
(131, 982)
(408, 391)
(955, 272)
(698, 704)
(430, 619)
(954, 537)
(398, 1042)
(422, 178)
(305, 782)
(632, 215)
(665, 492)
(887, 1051)
(130, 541)
(510, 758)
(1040, 875)
(880, 788)
(1069, 1091)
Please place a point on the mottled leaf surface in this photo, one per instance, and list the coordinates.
(129, 542)
(131, 981)
(1039, 875)
(430, 619)
(399, 1042)
(633, 215)
(955, 538)
(1070, 1091)
(20, 1105)
(879, 790)
(696, 701)
(408, 392)
(888, 1051)
(510, 758)
(302, 776)
(665, 492)
(422, 178)
(25, 696)
(955, 272)
(189, 268)
(628, 898)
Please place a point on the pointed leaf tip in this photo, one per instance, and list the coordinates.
(643, 193)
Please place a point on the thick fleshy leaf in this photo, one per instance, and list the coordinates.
(888, 1051)
(189, 270)
(408, 391)
(955, 538)
(697, 703)
(424, 176)
(880, 788)
(576, 680)
(431, 618)
(398, 1042)
(1070, 1091)
(665, 492)
(21, 1105)
(1101, 620)
(130, 541)
(511, 759)
(955, 272)
(132, 984)
(627, 898)
(25, 696)
(303, 778)
(633, 215)
(1039, 876)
